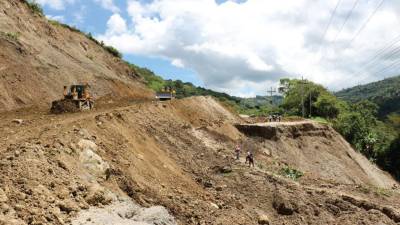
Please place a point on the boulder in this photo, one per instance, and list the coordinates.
(263, 219)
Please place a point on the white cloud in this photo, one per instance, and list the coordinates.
(109, 5)
(116, 25)
(178, 63)
(245, 47)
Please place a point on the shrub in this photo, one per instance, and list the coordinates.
(11, 35)
(71, 28)
(291, 173)
(34, 7)
(90, 37)
(113, 51)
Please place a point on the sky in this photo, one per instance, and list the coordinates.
(243, 47)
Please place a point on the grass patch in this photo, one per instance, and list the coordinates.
(364, 189)
(321, 120)
(11, 35)
(71, 28)
(34, 7)
(293, 118)
(291, 173)
(382, 192)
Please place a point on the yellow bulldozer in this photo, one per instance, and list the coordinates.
(76, 98)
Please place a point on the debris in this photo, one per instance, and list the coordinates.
(18, 121)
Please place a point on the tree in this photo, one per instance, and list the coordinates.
(327, 106)
(302, 93)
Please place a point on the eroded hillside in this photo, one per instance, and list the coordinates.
(38, 58)
(179, 155)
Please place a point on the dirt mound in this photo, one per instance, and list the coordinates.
(38, 58)
(159, 154)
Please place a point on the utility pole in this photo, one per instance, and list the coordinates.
(310, 105)
(302, 82)
(271, 91)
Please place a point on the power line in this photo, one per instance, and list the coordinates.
(387, 47)
(347, 18)
(389, 54)
(383, 50)
(329, 24)
(365, 23)
(393, 65)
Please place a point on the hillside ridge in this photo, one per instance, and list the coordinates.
(39, 57)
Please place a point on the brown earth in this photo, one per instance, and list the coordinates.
(179, 155)
(42, 57)
(73, 168)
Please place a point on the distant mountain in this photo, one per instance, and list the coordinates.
(385, 93)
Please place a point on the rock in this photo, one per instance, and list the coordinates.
(67, 206)
(17, 121)
(98, 198)
(263, 219)
(283, 206)
(84, 144)
(3, 196)
(214, 205)
(391, 213)
(208, 184)
(84, 133)
(140, 156)
(226, 169)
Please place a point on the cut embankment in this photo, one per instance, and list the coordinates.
(317, 150)
(38, 58)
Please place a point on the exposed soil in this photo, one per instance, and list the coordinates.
(179, 155)
(136, 161)
(38, 58)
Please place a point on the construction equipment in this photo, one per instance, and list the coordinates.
(166, 94)
(76, 98)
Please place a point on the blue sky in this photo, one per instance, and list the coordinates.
(243, 47)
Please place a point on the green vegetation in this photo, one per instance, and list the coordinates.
(71, 28)
(357, 121)
(34, 7)
(11, 35)
(113, 51)
(291, 173)
(385, 93)
(318, 102)
(183, 89)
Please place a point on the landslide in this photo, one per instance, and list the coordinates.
(178, 155)
(37, 58)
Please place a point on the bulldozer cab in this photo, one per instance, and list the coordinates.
(79, 89)
(76, 92)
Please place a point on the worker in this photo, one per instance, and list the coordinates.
(237, 151)
(250, 159)
(65, 91)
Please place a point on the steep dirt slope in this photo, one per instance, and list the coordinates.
(177, 155)
(318, 150)
(38, 58)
